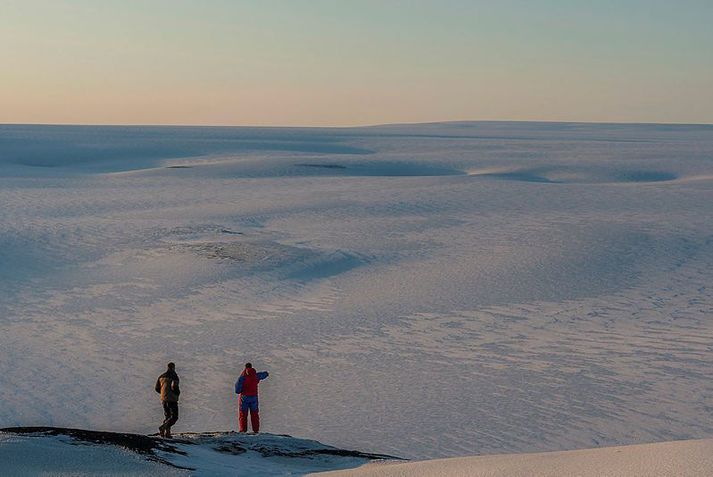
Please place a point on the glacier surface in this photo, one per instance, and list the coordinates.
(428, 290)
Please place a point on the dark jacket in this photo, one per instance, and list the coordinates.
(167, 386)
(247, 384)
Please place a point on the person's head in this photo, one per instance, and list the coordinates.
(248, 365)
(172, 366)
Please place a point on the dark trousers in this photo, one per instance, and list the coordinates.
(170, 411)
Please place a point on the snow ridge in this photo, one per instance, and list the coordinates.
(32, 450)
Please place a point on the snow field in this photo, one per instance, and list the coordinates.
(404, 300)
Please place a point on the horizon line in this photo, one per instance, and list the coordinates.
(373, 125)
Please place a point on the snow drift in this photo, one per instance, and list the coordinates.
(667, 459)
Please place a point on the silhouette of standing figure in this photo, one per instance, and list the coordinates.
(167, 387)
(246, 387)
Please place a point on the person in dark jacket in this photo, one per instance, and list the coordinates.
(167, 387)
(246, 387)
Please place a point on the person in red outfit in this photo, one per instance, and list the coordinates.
(246, 387)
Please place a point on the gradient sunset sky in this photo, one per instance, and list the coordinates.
(352, 62)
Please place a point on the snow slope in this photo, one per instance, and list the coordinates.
(55, 451)
(666, 459)
(419, 290)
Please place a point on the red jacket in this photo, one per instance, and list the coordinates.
(247, 384)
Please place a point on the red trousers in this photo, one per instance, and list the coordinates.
(249, 404)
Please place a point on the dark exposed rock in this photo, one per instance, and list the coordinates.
(323, 166)
(141, 444)
(306, 453)
(230, 448)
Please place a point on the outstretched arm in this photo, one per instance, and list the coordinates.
(262, 375)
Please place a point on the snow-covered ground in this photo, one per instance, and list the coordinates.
(64, 452)
(55, 452)
(693, 458)
(422, 291)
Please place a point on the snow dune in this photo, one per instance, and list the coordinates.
(667, 459)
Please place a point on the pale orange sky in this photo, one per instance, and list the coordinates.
(329, 63)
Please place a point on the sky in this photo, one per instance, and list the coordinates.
(354, 62)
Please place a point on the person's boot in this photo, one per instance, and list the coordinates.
(161, 431)
(167, 433)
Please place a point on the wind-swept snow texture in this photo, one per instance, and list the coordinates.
(422, 291)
